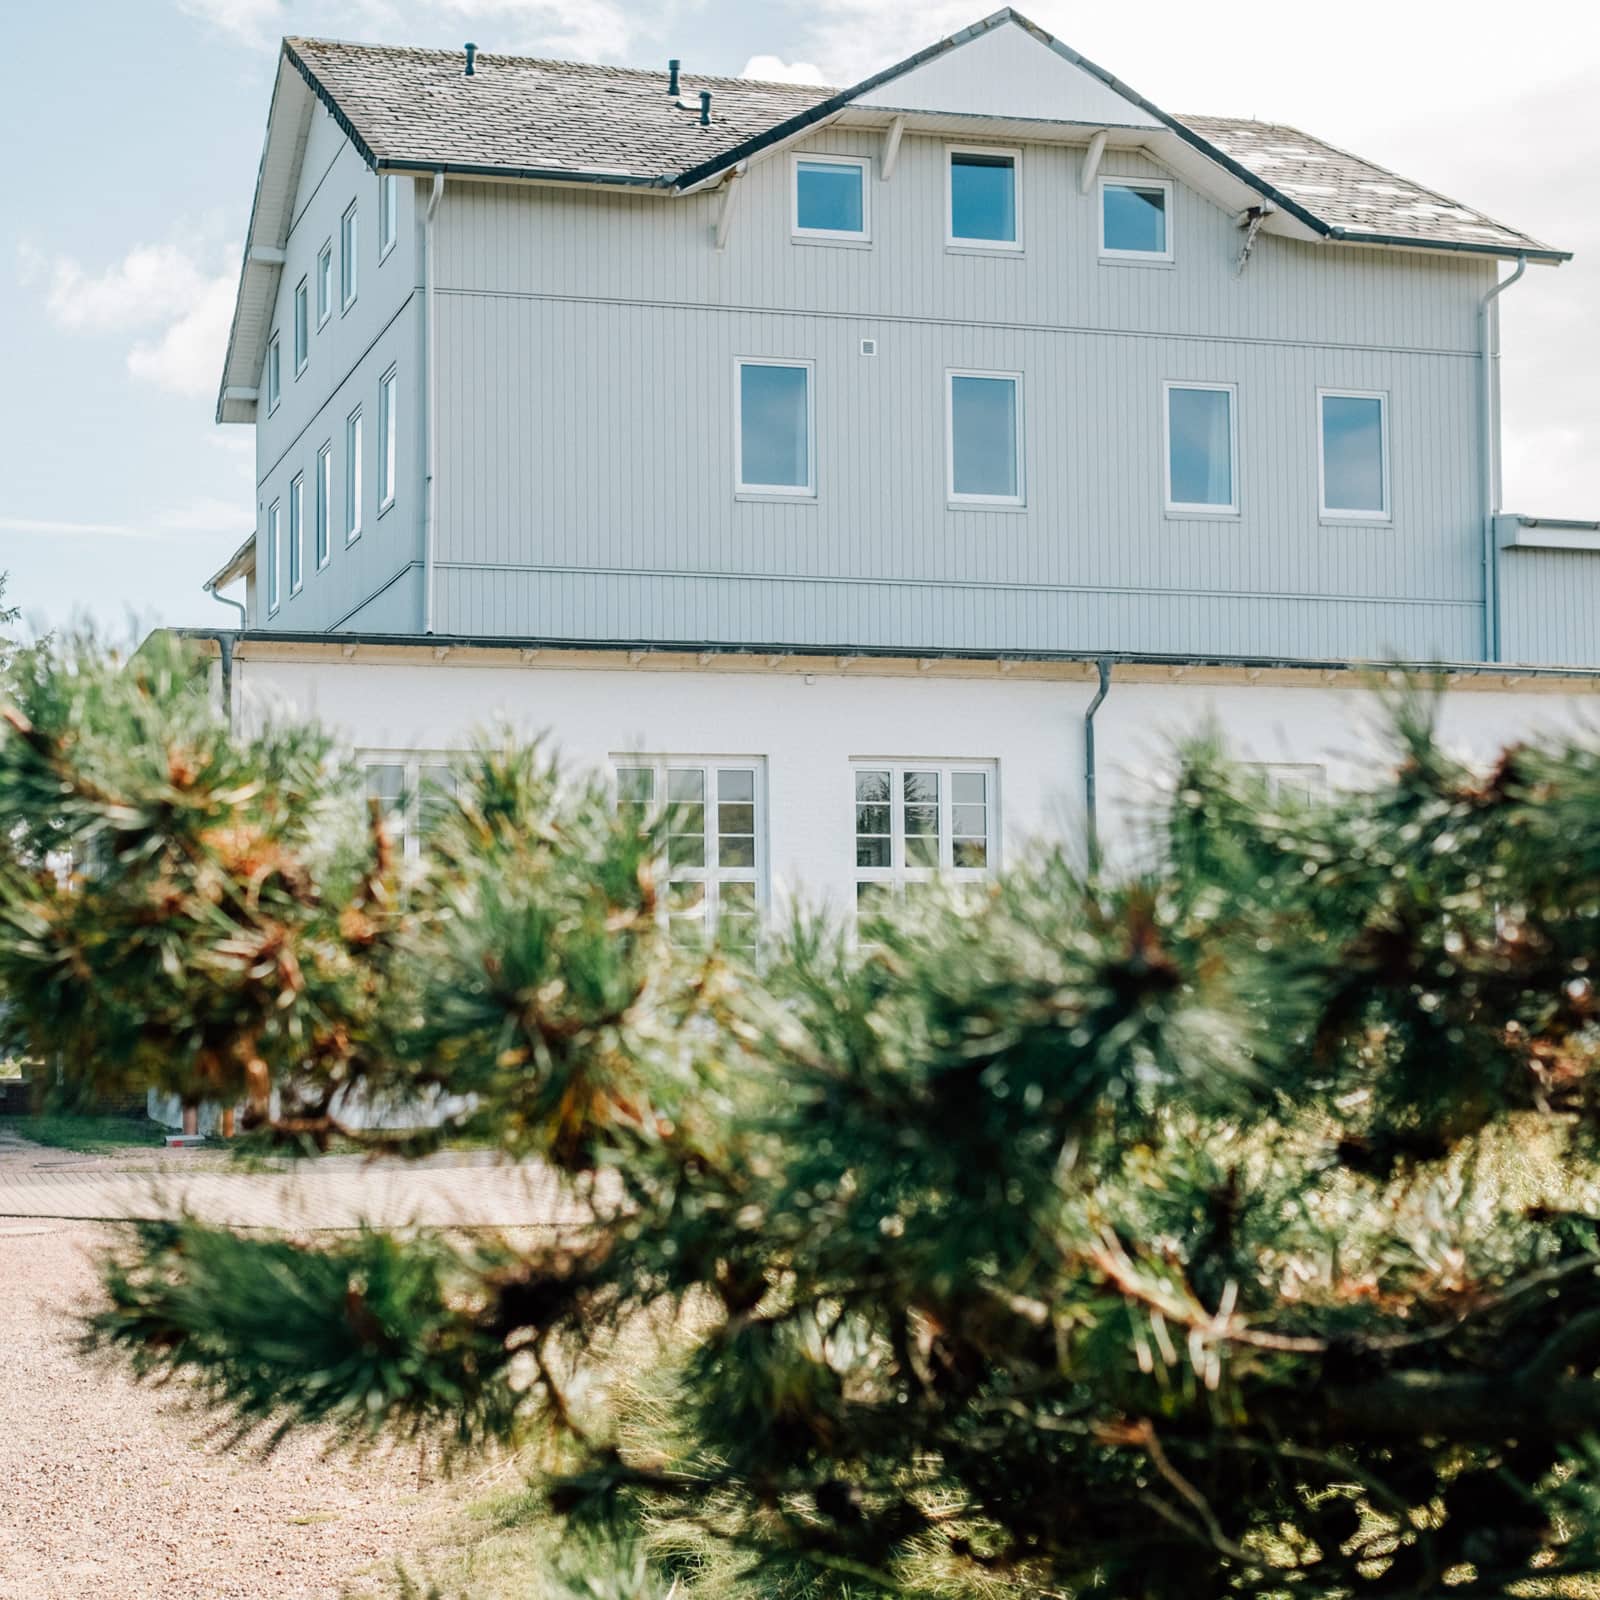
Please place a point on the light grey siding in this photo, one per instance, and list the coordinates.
(348, 355)
(1550, 606)
(587, 347)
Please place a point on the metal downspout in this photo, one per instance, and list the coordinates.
(1091, 828)
(225, 645)
(430, 428)
(1489, 453)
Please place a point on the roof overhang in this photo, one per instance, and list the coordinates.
(239, 565)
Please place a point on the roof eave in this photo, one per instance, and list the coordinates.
(240, 564)
(1541, 255)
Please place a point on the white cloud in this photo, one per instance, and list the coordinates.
(774, 69)
(139, 290)
(252, 21)
(187, 357)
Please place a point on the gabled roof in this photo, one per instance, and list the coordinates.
(570, 122)
(239, 565)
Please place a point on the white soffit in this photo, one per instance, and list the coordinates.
(1006, 72)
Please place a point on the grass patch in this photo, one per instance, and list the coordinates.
(86, 1134)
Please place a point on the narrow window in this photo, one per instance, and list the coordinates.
(324, 502)
(352, 476)
(985, 450)
(348, 264)
(983, 199)
(272, 557)
(1354, 455)
(325, 283)
(386, 393)
(1202, 448)
(302, 328)
(386, 783)
(774, 428)
(387, 224)
(714, 854)
(414, 795)
(297, 531)
(830, 197)
(1134, 220)
(274, 375)
(917, 821)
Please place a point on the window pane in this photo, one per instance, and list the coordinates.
(736, 914)
(922, 788)
(970, 852)
(872, 899)
(773, 424)
(272, 556)
(969, 788)
(386, 781)
(300, 326)
(386, 436)
(686, 848)
(636, 792)
(736, 783)
(1135, 219)
(1352, 453)
(386, 208)
(873, 852)
(436, 788)
(347, 257)
(872, 788)
(736, 817)
(324, 282)
(983, 197)
(983, 444)
(324, 494)
(1201, 439)
(686, 784)
(828, 196)
(969, 821)
(297, 501)
(352, 476)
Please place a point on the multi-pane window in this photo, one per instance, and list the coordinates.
(413, 792)
(352, 475)
(983, 199)
(774, 426)
(386, 397)
(274, 374)
(831, 197)
(324, 502)
(349, 265)
(714, 850)
(325, 283)
(985, 439)
(1353, 447)
(1202, 448)
(387, 220)
(273, 526)
(1134, 219)
(1304, 781)
(917, 820)
(297, 513)
(302, 327)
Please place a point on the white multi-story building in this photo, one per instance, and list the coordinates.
(893, 472)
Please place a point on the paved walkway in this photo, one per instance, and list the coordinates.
(450, 1190)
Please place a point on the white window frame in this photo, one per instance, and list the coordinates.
(388, 213)
(1324, 511)
(388, 458)
(413, 761)
(324, 283)
(349, 257)
(297, 534)
(954, 241)
(302, 326)
(1307, 780)
(1184, 508)
(784, 491)
(354, 450)
(712, 875)
(863, 164)
(1110, 181)
(322, 519)
(274, 373)
(897, 874)
(274, 555)
(980, 501)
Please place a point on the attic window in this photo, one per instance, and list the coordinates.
(830, 198)
(1135, 220)
(983, 199)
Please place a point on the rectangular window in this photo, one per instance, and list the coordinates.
(352, 476)
(917, 820)
(985, 439)
(302, 328)
(1202, 448)
(1353, 454)
(715, 851)
(414, 794)
(297, 531)
(386, 393)
(773, 428)
(1302, 781)
(274, 375)
(349, 265)
(388, 221)
(325, 283)
(272, 557)
(1134, 220)
(324, 502)
(983, 199)
(831, 197)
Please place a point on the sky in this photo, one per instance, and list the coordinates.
(139, 126)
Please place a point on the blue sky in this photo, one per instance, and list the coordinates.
(139, 126)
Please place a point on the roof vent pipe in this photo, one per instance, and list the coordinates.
(672, 77)
(472, 51)
(705, 108)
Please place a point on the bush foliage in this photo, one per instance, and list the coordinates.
(1227, 1228)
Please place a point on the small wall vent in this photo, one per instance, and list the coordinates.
(869, 347)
